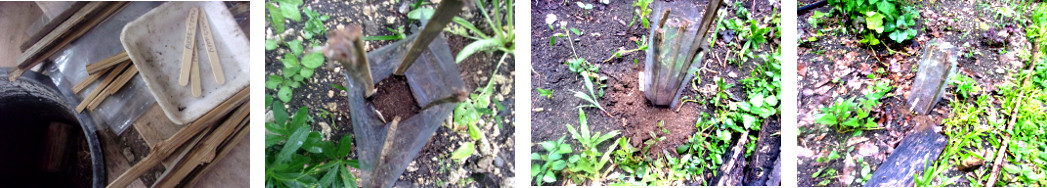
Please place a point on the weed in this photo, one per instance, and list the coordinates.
(590, 97)
(881, 17)
(641, 11)
(839, 113)
(547, 93)
(641, 45)
(591, 161)
(296, 156)
(551, 162)
(586, 7)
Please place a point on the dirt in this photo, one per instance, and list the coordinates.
(433, 166)
(605, 29)
(393, 99)
(837, 67)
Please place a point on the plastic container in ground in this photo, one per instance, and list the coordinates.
(674, 53)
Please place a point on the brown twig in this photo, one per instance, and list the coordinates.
(998, 163)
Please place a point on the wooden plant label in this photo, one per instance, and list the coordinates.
(189, 46)
(212, 50)
(196, 75)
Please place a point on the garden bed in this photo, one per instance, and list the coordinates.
(834, 65)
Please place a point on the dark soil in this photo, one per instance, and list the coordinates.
(837, 67)
(433, 166)
(394, 99)
(605, 29)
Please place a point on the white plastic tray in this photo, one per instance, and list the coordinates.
(154, 43)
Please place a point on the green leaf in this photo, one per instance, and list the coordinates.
(474, 132)
(306, 72)
(576, 31)
(463, 151)
(347, 179)
(477, 46)
(276, 17)
(419, 13)
(290, 11)
(756, 100)
(559, 165)
(874, 21)
(294, 142)
(313, 60)
(549, 177)
(284, 93)
(771, 100)
(295, 46)
(271, 44)
(273, 82)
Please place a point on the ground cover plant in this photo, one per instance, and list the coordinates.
(987, 107)
(725, 132)
(479, 132)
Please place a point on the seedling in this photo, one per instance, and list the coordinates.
(548, 93)
(585, 6)
(551, 162)
(839, 113)
(641, 45)
(590, 97)
(641, 11)
(590, 162)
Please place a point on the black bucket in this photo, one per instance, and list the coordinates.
(43, 142)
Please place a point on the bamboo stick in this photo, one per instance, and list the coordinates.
(226, 147)
(189, 46)
(163, 149)
(101, 86)
(51, 25)
(203, 151)
(107, 62)
(107, 11)
(90, 79)
(212, 51)
(122, 80)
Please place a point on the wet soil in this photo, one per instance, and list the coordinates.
(836, 67)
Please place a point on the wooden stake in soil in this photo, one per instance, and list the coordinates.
(165, 148)
(444, 14)
(212, 53)
(189, 46)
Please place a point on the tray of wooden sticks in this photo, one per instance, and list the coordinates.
(191, 55)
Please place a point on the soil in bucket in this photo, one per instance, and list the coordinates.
(394, 99)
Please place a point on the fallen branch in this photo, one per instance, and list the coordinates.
(998, 163)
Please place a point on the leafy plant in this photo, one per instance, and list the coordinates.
(296, 156)
(641, 11)
(881, 17)
(295, 71)
(591, 96)
(315, 25)
(504, 33)
(552, 162)
(548, 93)
(839, 114)
(641, 45)
(279, 10)
(591, 161)
(586, 7)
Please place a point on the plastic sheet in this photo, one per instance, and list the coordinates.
(673, 53)
(118, 111)
(434, 75)
(937, 66)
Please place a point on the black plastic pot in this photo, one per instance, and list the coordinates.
(43, 142)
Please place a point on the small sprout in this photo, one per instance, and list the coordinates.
(550, 19)
(548, 93)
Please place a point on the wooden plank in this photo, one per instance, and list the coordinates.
(154, 126)
(101, 86)
(226, 171)
(56, 34)
(51, 25)
(189, 46)
(36, 57)
(233, 144)
(212, 51)
(204, 151)
(922, 145)
(165, 148)
(107, 62)
(90, 79)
